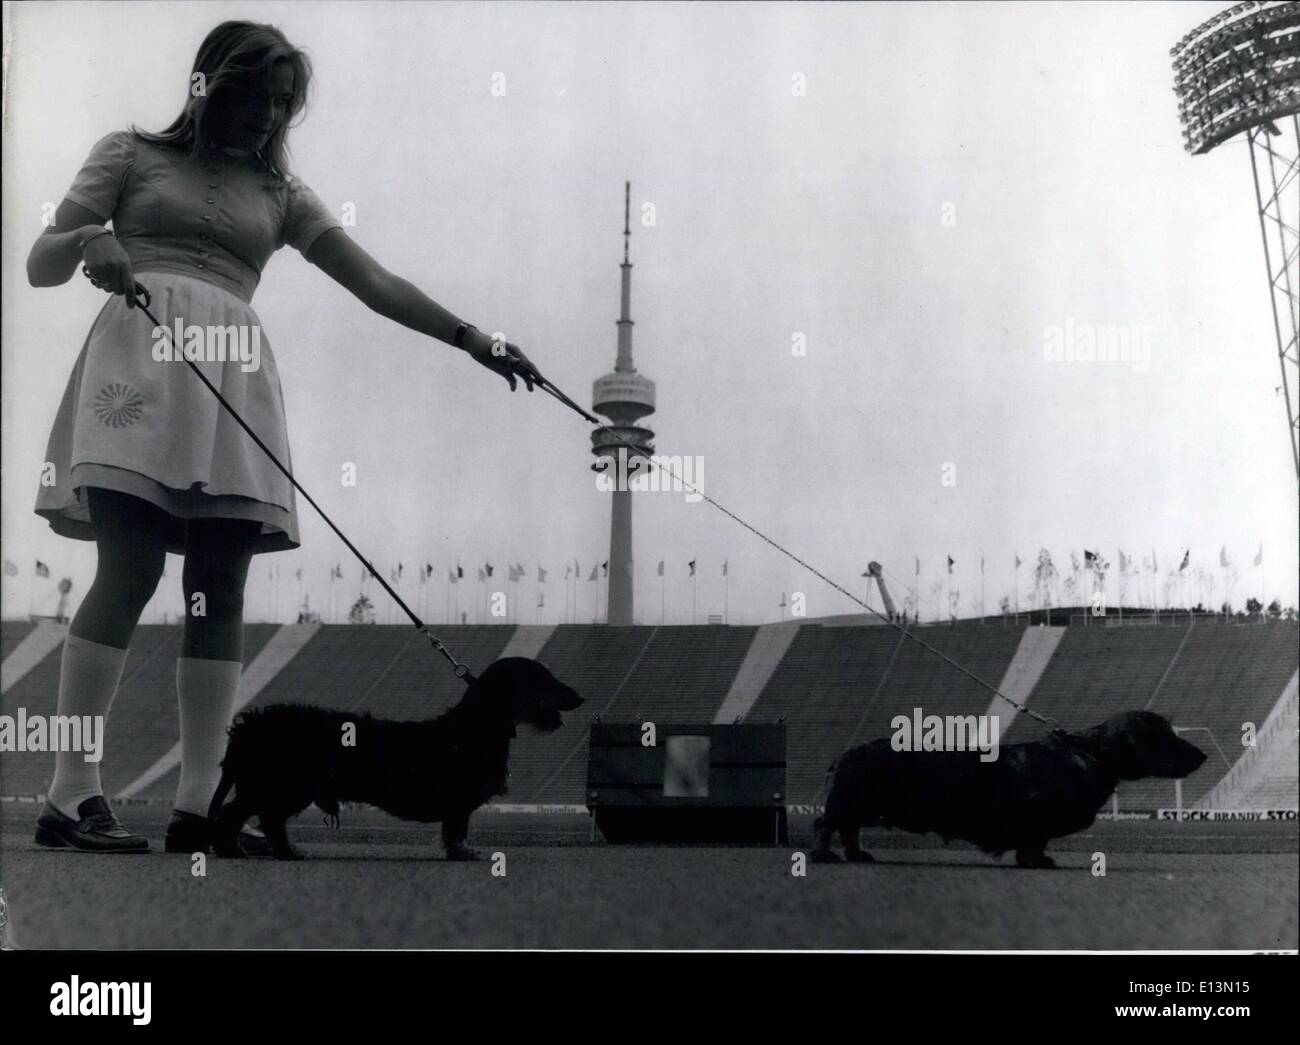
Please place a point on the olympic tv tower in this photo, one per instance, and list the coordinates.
(624, 396)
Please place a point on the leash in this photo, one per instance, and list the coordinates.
(1045, 720)
(461, 671)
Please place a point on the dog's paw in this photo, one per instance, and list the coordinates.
(825, 856)
(860, 857)
(462, 852)
(1035, 861)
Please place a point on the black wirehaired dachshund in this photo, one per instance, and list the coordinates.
(1031, 794)
(283, 757)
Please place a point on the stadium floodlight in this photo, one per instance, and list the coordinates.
(1239, 73)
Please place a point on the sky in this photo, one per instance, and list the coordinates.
(925, 197)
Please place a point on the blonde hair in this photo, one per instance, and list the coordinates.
(234, 52)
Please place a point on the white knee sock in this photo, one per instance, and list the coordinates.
(206, 691)
(88, 681)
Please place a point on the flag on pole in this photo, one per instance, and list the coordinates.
(594, 571)
(299, 573)
(11, 569)
(41, 569)
(1223, 557)
(460, 574)
(951, 563)
(568, 571)
(1187, 559)
(541, 575)
(451, 576)
(661, 567)
(918, 566)
(782, 600)
(541, 600)
(691, 564)
(337, 572)
(1259, 555)
(604, 568)
(481, 575)
(981, 565)
(1017, 562)
(488, 566)
(428, 570)
(1155, 565)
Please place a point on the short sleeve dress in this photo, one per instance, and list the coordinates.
(199, 228)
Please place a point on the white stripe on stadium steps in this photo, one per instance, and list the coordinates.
(281, 648)
(528, 640)
(38, 644)
(1234, 788)
(1037, 645)
(765, 651)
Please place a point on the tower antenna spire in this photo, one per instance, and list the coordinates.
(627, 217)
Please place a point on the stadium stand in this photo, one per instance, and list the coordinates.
(12, 632)
(145, 709)
(835, 686)
(1267, 775)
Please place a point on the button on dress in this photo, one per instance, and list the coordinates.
(198, 229)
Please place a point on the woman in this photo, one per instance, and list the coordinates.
(145, 459)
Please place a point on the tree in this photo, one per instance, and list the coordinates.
(362, 612)
(1275, 610)
(1004, 607)
(1044, 575)
(1253, 606)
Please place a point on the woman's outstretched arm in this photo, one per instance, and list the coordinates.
(339, 256)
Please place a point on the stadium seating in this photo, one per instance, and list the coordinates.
(144, 711)
(13, 632)
(835, 686)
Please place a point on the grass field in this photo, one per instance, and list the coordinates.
(380, 883)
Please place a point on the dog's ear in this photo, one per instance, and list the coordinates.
(1120, 746)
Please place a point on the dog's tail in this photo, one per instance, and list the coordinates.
(219, 797)
(228, 770)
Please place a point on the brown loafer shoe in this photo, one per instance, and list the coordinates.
(96, 830)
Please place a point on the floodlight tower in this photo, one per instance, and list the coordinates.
(624, 396)
(1239, 72)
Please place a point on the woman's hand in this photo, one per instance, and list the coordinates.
(501, 357)
(108, 267)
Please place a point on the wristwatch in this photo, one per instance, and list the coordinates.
(462, 332)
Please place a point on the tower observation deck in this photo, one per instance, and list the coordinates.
(624, 396)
